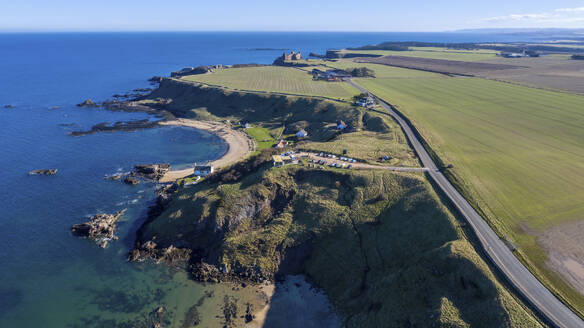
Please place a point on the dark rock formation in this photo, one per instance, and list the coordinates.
(100, 228)
(132, 125)
(191, 71)
(43, 172)
(131, 180)
(88, 103)
(151, 171)
(169, 255)
(67, 124)
(114, 177)
(9, 106)
(155, 79)
(142, 90)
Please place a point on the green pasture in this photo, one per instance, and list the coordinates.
(436, 53)
(517, 152)
(274, 79)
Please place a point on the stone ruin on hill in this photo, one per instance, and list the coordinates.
(291, 56)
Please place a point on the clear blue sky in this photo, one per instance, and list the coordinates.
(287, 15)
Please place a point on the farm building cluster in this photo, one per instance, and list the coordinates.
(365, 102)
(331, 75)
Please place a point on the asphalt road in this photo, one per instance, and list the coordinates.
(557, 313)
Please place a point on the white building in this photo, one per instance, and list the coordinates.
(302, 134)
(202, 170)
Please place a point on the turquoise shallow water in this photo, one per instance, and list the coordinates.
(48, 278)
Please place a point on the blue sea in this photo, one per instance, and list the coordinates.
(48, 278)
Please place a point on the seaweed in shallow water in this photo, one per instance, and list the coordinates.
(111, 300)
(192, 318)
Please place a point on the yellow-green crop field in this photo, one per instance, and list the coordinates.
(382, 71)
(436, 53)
(275, 79)
(518, 152)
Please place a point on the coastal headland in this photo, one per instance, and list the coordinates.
(313, 165)
(379, 243)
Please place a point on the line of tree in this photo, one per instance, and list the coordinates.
(505, 47)
(361, 72)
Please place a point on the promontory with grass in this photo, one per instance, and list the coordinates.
(328, 189)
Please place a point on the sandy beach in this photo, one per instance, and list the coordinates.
(240, 145)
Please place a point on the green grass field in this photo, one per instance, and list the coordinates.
(262, 137)
(382, 71)
(276, 79)
(517, 151)
(437, 53)
(370, 145)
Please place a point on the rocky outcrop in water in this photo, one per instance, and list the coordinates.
(43, 172)
(9, 106)
(131, 180)
(151, 171)
(132, 125)
(100, 228)
(155, 79)
(191, 71)
(169, 255)
(88, 103)
(114, 177)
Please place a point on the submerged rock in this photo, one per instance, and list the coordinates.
(131, 180)
(114, 177)
(88, 103)
(43, 172)
(100, 227)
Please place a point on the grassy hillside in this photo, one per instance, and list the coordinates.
(277, 115)
(381, 244)
(273, 79)
(517, 151)
(379, 137)
(270, 111)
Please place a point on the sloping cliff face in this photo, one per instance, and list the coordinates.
(190, 100)
(380, 244)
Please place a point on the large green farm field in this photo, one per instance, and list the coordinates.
(275, 79)
(517, 152)
(436, 53)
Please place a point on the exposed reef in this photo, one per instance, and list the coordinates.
(117, 126)
(151, 171)
(131, 180)
(43, 172)
(88, 103)
(100, 228)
